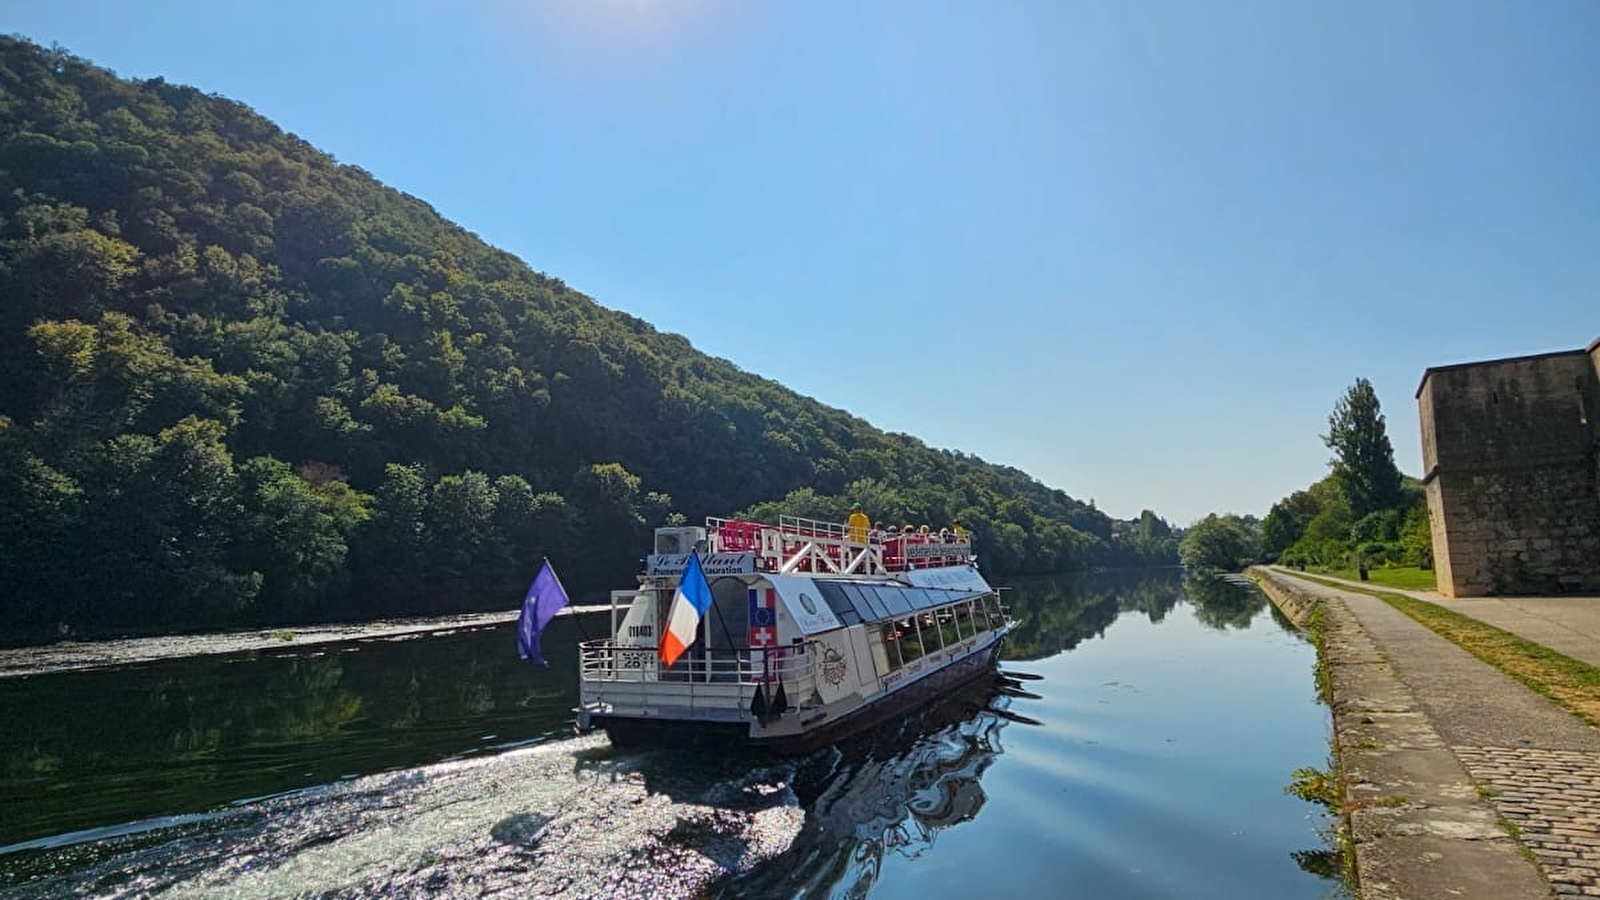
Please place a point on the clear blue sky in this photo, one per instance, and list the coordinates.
(1137, 249)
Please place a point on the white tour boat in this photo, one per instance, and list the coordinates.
(813, 631)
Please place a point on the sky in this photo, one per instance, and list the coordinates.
(1135, 248)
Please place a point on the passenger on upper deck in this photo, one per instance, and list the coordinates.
(857, 525)
(961, 533)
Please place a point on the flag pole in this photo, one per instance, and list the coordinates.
(576, 617)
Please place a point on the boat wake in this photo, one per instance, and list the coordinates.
(570, 819)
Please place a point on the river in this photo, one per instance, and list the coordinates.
(1141, 752)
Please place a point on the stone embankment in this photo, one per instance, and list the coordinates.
(1457, 781)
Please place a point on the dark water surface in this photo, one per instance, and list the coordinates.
(1146, 759)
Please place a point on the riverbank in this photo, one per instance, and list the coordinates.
(1456, 780)
(73, 655)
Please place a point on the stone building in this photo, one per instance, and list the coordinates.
(1512, 474)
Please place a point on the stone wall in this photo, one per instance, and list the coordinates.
(1512, 475)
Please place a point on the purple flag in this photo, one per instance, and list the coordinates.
(545, 596)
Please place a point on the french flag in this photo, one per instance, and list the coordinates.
(689, 604)
(763, 618)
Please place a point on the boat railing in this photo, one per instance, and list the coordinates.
(797, 544)
(739, 536)
(719, 683)
(798, 526)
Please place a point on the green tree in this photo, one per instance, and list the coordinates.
(296, 536)
(1223, 543)
(1363, 460)
(1416, 537)
(38, 506)
(459, 533)
(159, 529)
(1287, 521)
(389, 551)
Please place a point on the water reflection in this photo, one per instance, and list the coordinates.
(1221, 602)
(1156, 769)
(889, 793)
(187, 735)
(1054, 614)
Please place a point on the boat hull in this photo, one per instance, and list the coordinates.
(637, 731)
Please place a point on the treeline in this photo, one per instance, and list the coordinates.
(1364, 513)
(241, 383)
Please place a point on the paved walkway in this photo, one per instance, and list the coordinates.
(1566, 624)
(1438, 748)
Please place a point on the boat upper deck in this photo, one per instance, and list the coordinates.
(799, 545)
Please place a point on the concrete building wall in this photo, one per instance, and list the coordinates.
(1512, 475)
(1444, 564)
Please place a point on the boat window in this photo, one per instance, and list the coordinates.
(836, 596)
(891, 643)
(865, 601)
(948, 629)
(882, 659)
(964, 620)
(928, 631)
(991, 611)
(908, 640)
(893, 600)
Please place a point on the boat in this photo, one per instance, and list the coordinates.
(815, 631)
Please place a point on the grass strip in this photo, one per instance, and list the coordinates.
(1409, 577)
(1570, 684)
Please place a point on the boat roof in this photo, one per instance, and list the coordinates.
(846, 602)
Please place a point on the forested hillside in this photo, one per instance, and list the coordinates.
(242, 383)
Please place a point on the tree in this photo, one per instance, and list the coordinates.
(389, 550)
(1363, 460)
(1226, 543)
(295, 536)
(458, 529)
(1287, 521)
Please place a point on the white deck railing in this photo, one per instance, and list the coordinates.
(712, 685)
(798, 544)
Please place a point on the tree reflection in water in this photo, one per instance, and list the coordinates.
(1221, 602)
(1056, 613)
(191, 734)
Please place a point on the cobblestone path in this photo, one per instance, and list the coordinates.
(1553, 798)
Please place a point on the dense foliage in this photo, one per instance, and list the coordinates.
(1221, 543)
(243, 383)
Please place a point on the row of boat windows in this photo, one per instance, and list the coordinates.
(853, 603)
(904, 640)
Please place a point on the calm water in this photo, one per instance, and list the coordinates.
(1145, 757)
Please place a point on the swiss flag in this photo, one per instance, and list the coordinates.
(763, 618)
